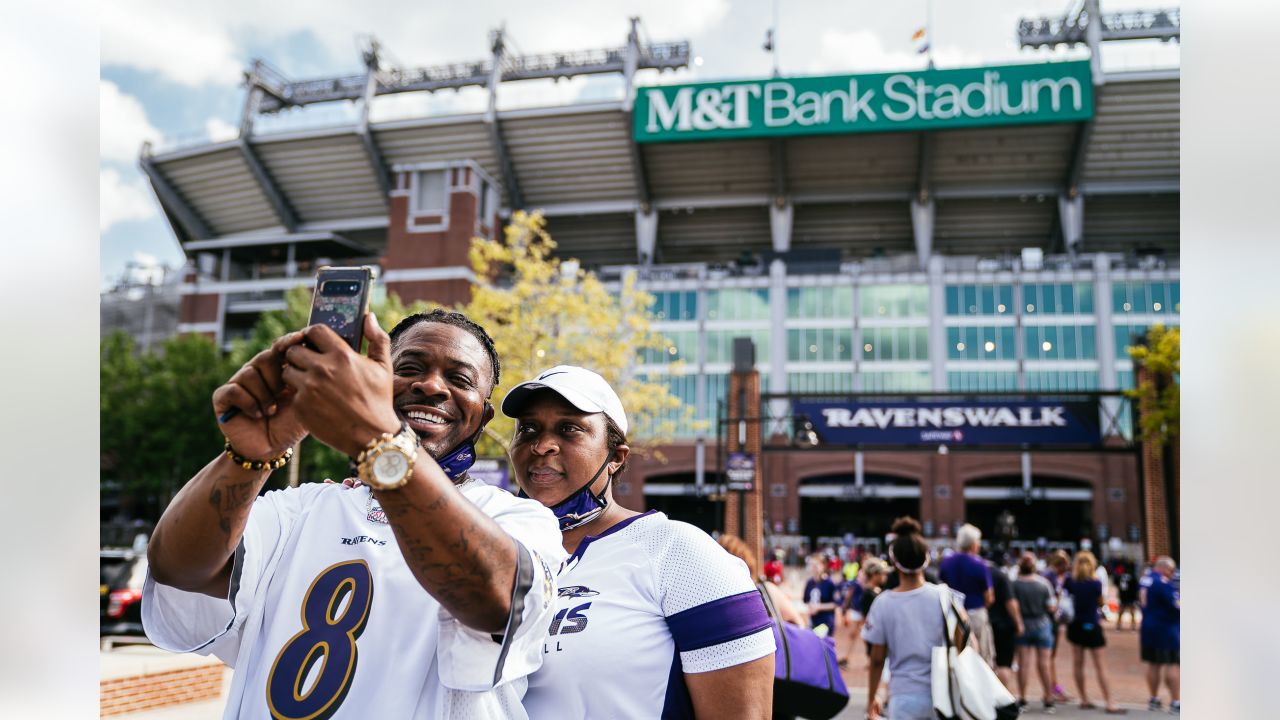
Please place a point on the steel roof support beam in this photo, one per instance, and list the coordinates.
(630, 62)
(1070, 199)
(175, 206)
(371, 150)
(781, 219)
(515, 200)
(268, 185)
(646, 236)
(922, 205)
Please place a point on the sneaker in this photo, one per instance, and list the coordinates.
(1175, 707)
(1153, 704)
(1048, 707)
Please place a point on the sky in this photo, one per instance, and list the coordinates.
(171, 72)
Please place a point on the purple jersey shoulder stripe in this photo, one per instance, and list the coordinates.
(719, 621)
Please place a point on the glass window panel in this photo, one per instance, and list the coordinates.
(843, 301)
(1048, 299)
(1068, 299)
(953, 300)
(987, 300)
(1084, 298)
(1005, 299)
(793, 302)
(1031, 342)
(1120, 297)
(1175, 297)
(1070, 347)
(970, 300)
(953, 344)
(902, 344)
(430, 191)
(1088, 343)
(1141, 298)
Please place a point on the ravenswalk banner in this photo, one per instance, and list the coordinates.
(999, 423)
(876, 102)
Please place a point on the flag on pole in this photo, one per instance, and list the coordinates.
(918, 34)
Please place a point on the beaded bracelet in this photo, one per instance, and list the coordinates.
(247, 464)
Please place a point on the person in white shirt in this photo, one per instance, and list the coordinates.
(423, 594)
(653, 618)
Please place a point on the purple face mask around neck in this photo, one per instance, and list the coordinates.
(582, 506)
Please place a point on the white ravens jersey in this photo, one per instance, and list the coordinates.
(638, 606)
(326, 620)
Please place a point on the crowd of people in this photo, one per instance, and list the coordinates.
(1020, 608)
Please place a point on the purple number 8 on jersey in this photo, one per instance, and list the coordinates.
(326, 638)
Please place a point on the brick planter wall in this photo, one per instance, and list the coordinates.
(155, 690)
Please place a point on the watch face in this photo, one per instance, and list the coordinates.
(390, 467)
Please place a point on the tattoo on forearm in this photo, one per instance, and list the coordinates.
(455, 570)
(229, 500)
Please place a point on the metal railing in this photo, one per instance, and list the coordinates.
(1128, 25)
(280, 93)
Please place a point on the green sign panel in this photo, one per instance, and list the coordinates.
(880, 102)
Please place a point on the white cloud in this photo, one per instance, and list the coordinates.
(121, 200)
(176, 40)
(123, 124)
(219, 130)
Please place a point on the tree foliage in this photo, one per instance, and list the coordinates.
(544, 312)
(1158, 394)
(157, 424)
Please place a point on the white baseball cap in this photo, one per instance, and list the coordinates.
(584, 389)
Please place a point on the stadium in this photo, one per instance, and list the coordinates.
(937, 237)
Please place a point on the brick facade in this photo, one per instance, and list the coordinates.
(137, 693)
(1113, 479)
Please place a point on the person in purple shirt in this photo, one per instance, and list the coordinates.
(1161, 636)
(1085, 631)
(970, 575)
(820, 594)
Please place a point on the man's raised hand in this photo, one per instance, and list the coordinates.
(343, 398)
(266, 423)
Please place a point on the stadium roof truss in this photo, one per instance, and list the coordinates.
(967, 191)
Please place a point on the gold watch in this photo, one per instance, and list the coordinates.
(387, 461)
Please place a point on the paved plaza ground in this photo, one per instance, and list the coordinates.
(1127, 674)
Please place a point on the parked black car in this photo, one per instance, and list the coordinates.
(123, 572)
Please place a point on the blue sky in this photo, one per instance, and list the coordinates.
(171, 72)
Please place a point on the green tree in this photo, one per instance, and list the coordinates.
(157, 424)
(542, 312)
(1159, 393)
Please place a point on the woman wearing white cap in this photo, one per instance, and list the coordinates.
(654, 619)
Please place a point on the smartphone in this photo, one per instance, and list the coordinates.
(341, 300)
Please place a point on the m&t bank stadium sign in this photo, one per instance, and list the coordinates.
(995, 423)
(882, 102)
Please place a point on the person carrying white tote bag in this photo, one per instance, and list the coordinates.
(964, 686)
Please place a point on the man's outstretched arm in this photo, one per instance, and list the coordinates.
(457, 553)
(192, 546)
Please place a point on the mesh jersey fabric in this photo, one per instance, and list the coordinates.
(638, 607)
(295, 542)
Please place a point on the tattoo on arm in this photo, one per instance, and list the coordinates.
(229, 500)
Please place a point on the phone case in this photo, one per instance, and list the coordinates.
(341, 300)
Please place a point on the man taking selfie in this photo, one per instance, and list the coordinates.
(421, 594)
